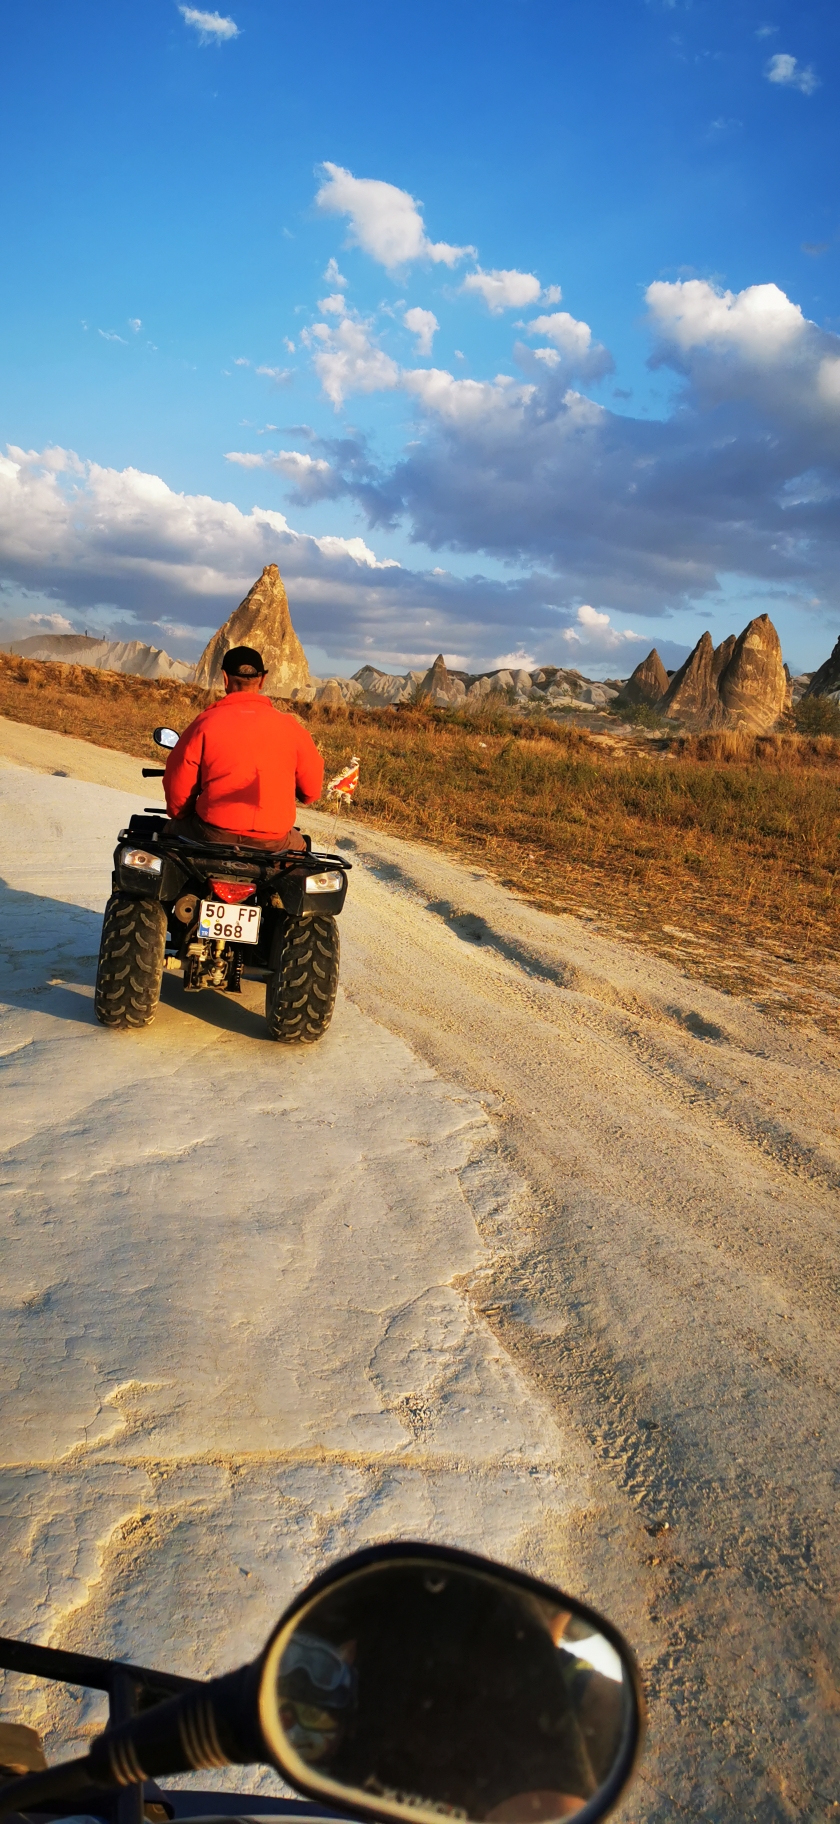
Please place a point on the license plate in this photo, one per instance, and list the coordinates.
(231, 924)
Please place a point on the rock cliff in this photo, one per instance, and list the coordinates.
(261, 620)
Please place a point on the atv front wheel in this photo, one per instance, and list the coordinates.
(130, 969)
(300, 992)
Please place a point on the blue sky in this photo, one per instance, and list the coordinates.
(611, 419)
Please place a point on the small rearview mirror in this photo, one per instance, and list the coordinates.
(425, 1683)
(165, 737)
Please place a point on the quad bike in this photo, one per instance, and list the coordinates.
(218, 914)
(411, 1682)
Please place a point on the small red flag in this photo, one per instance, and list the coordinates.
(344, 784)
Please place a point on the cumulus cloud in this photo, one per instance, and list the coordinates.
(572, 346)
(88, 536)
(598, 632)
(385, 222)
(135, 324)
(280, 375)
(505, 290)
(423, 324)
(785, 70)
(52, 623)
(334, 306)
(212, 28)
(333, 276)
(347, 360)
(643, 514)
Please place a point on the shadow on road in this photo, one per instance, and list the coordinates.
(48, 955)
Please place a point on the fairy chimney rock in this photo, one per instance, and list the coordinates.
(692, 693)
(826, 681)
(438, 687)
(753, 687)
(722, 655)
(649, 681)
(261, 620)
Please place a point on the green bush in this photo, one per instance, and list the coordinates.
(817, 716)
(640, 715)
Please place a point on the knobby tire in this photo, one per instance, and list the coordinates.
(300, 994)
(130, 971)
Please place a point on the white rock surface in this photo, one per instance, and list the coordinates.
(625, 1376)
(238, 1336)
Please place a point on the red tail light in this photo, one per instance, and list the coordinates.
(232, 891)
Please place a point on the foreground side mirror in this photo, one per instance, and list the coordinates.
(417, 1683)
(409, 1682)
(165, 737)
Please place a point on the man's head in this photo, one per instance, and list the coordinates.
(243, 669)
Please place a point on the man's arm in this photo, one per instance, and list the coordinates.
(309, 769)
(181, 775)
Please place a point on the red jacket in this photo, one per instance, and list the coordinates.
(239, 764)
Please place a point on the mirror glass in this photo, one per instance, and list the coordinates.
(417, 1686)
(165, 737)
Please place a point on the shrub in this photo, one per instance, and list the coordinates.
(640, 715)
(817, 716)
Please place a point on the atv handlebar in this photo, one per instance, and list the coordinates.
(153, 772)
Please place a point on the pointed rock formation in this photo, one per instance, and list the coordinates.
(826, 681)
(753, 686)
(722, 655)
(692, 695)
(261, 620)
(439, 688)
(648, 683)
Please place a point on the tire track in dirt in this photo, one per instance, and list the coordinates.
(677, 1301)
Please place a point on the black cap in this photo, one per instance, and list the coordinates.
(243, 662)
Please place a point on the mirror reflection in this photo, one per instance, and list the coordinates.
(448, 1691)
(165, 737)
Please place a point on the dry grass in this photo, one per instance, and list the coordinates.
(720, 851)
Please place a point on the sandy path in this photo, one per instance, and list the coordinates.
(611, 1353)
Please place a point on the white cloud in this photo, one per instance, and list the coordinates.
(134, 324)
(385, 222)
(766, 31)
(334, 306)
(571, 337)
(515, 661)
(333, 276)
(53, 623)
(280, 375)
(423, 324)
(503, 290)
(760, 323)
(463, 402)
(110, 335)
(348, 361)
(598, 633)
(786, 70)
(212, 28)
(241, 361)
(297, 466)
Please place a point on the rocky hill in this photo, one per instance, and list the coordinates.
(128, 656)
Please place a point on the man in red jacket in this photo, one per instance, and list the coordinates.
(240, 767)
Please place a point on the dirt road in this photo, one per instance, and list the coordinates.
(537, 1251)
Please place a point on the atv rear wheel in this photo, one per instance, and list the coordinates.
(130, 969)
(300, 993)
